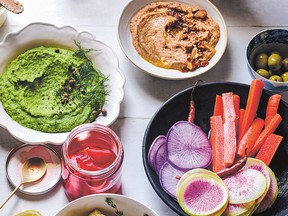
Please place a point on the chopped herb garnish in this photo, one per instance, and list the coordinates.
(81, 52)
(110, 202)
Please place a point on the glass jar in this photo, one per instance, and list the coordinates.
(92, 159)
(3, 15)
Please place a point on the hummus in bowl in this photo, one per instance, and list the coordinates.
(172, 39)
(174, 35)
(48, 82)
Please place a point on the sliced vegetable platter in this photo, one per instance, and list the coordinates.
(177, 109)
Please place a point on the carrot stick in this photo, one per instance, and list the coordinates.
(229, 117)
(253, 100)
(217, 140)
(269, 148)
(218, 106)
(272, 107)
(241, 116)
(250, 137)
(236, 101)
(269, 129)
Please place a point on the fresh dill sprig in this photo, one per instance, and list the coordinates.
(110, 202)
(86, 76)
(81, 52)
(84, 82)
(86, 71)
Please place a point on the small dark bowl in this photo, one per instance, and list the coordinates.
(267, 41)
(176, 109)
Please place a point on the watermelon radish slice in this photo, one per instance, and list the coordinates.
(271, 195)
(196, 171)
(245, 186)
(158, 141)
(169, 177)
(188, 146)
(238, 209)
(256, 164)
(160, 157)
(202, 194)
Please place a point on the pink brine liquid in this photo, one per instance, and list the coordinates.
(92, 161)
(92, 157)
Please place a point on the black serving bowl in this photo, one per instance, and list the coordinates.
(177, 108)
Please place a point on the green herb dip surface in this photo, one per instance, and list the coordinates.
(52, 90)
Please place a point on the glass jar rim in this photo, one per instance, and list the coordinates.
(100, 173)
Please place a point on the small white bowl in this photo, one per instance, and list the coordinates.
(103, 202)
(43, 34)
(267, 41)
(125, 40)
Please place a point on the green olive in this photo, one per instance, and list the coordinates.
(285, 64)
(284, 77)
(274, 61)
(263, 73)
(261, 61)
(274, 52)
(276, 78)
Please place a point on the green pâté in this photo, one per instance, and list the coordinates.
(53, 89)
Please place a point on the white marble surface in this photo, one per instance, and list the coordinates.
(143, 94)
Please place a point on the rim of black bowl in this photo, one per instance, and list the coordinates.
(151, 174)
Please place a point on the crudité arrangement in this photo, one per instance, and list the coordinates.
(226, 172)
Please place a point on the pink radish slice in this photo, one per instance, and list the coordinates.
(188, 146)
(160, 157)
(169, 177)
(271, 195)
(202, 194)
(256, 164)
(238, 209)
(158, 141)
(196, 171)
(245, 186)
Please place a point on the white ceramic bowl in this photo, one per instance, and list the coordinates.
(83, 206)
(125, 40)
(43, 34)
(3, 15)
(267, 41)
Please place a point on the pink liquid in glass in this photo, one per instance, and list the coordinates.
(93, 155)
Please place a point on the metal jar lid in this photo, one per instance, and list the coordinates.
(22, 153)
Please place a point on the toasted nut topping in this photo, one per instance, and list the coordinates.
(194, 53)
(189, 65)
(196, 8)
(201, 14)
